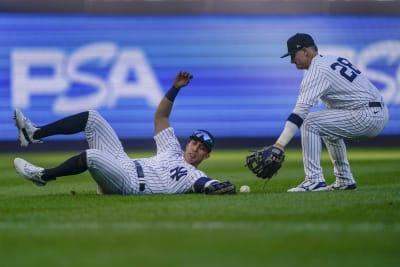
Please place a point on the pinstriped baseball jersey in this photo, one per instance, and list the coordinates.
(116, 173)
(338, 83)
(168, 172)
(347, 93)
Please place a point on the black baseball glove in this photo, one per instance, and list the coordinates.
(266, 162)
(220, 188)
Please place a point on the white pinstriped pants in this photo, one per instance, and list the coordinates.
(333, 126)
(109, 165)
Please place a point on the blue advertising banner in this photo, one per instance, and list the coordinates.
(57, 65)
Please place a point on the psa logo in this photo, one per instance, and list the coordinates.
(52, 72)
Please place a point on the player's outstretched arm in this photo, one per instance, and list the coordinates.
(211, 186)
(161, 117)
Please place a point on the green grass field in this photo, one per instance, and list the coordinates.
(51, 226)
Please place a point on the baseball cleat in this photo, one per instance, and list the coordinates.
(26, 129)
(336, 186)
(29, 171)
(309, 186)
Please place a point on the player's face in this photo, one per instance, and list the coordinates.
(195, 152)
(300, 59)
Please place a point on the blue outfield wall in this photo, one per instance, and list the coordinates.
(57, 65)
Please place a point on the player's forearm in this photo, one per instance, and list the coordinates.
(211, 186)
(292, 124)
(200, 185)
(161, 117)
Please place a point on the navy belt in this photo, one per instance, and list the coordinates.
(375, 104)
(140, 174)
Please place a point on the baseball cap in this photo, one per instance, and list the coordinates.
(205, 137)
(297, 42)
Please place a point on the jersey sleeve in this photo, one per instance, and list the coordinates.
(166, 140)
(191, 180)
(312, 87)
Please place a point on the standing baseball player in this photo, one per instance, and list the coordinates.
(170, 171)
(355, 109)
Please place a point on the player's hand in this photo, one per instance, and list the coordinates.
(280, 147)
(265, 162)
(220, 188)
(182, 79)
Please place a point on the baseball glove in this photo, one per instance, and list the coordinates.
(220, 188)
(266, 162)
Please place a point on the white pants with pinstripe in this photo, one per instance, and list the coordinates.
(333, 126)
(109, 165)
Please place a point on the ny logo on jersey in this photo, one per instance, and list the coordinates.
(177, 173)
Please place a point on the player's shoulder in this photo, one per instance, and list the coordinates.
(325, 59)
(165, 136)
(167, 132)
(195, 172)
(323, 62)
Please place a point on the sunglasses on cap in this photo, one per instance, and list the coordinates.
(205, 137)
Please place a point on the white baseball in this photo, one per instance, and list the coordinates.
(245, 189)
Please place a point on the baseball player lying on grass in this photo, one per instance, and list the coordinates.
(170, 171)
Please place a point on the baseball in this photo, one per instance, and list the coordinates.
(245, 189)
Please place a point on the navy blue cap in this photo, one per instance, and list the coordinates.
(205, 137)
(297, 42)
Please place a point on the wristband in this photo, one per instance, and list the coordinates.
(172, 93)
(201, 183)
(296, 119)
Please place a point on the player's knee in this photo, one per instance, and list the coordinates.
(93, 156)
(82, 162)
(306, 123)
(95, 120)
(94, 114)
(309, 125)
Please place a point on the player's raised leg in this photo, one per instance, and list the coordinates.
(29, 133)
(101, 136)
(26, 129)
